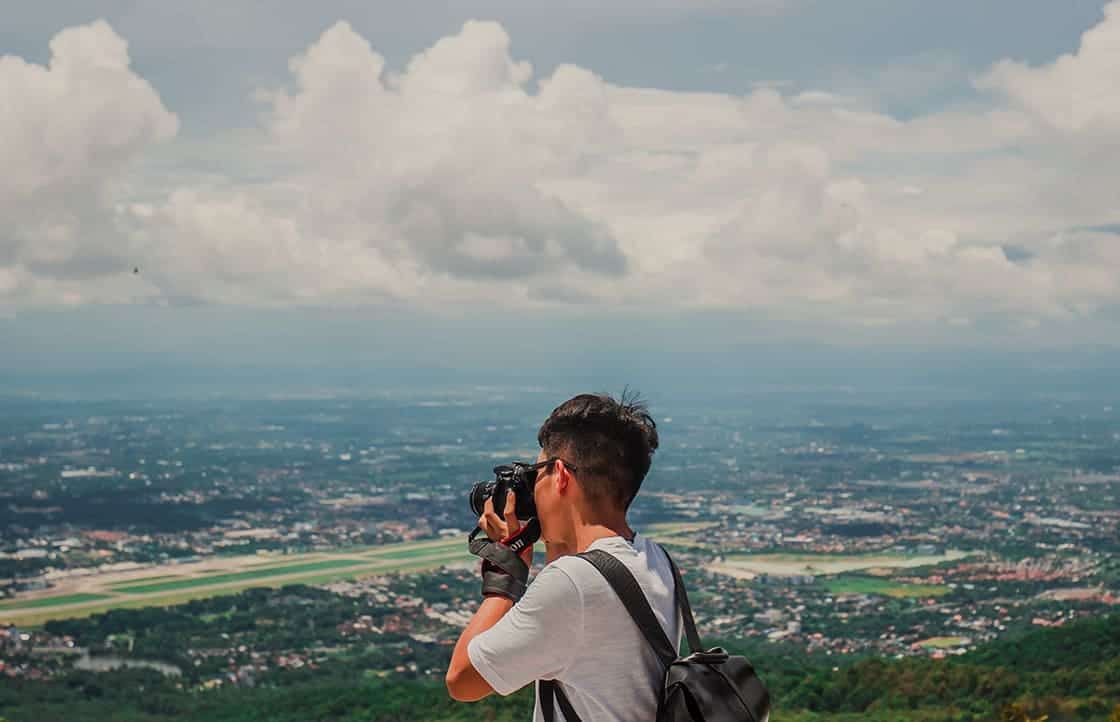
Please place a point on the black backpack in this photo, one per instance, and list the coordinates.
(705, 686)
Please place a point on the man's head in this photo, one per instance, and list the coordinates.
(606, 447)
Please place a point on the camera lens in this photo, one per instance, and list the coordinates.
(481, 491)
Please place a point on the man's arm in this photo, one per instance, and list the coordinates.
(464, 683)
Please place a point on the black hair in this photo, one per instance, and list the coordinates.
(610, 442)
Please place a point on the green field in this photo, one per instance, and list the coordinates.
(668, 528)
(427, 557)
(885, 587)
(943, 642)
(267, 563)
(361, 561)
(237, 576)
(752, 510)
(145, 580)
(52, 601)
(429, 545)
(414, 553)
(404, 566)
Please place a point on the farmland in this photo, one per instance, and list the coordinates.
(61, 600)
(851, 584)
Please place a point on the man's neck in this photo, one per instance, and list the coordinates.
(587, 534)
(584, 535)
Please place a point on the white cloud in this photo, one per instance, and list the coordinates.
(67, 133)
(462, 181)
(418, 164)
(1078, 91)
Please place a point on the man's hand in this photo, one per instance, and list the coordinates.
(499, 529)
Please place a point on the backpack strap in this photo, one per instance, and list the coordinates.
(690, 632)
(550, 689)
(624, 584)
(634, 599)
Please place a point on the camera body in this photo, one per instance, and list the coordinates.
(513, 477)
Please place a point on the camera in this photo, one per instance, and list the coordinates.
(515, 477)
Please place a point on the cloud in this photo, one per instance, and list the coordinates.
(463, 180)
(67, 135)
(1078, 91)
(455, 148)
(426, 178)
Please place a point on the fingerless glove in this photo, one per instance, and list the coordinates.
(503, 572)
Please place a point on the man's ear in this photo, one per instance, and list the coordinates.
(563, 478)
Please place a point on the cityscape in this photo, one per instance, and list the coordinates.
(236, 544)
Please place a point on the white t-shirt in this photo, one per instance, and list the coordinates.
(571, 626)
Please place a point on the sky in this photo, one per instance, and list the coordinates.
(501, 184)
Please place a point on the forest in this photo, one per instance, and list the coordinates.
(1067, 673)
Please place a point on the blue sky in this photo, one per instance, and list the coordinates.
(206, 62)
(857, 174)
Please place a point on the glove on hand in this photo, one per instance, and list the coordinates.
(503, 572)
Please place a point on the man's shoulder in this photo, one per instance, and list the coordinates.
(575, 573)
(641, 557)
(561, 577)
(569, 566)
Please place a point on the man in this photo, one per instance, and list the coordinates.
(570, 625)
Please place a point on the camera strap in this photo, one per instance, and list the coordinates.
(525, 536)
